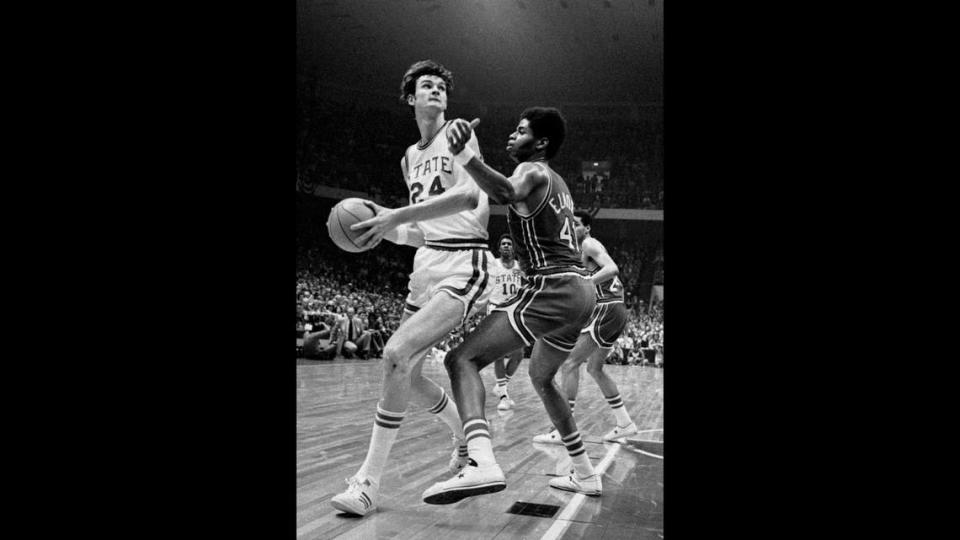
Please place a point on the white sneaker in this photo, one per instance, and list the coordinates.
(621, 432)
(505, 403)
(360, 497)
(472, 480)
(497, 390)
(457, 463)
(590, 485)
(550, 438)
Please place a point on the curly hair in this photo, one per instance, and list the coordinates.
(418, 69)
(547, 122)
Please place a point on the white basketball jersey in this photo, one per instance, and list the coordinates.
(429, 170)
(504, 282)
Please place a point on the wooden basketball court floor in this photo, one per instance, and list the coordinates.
(336, 402)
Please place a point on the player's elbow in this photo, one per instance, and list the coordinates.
(505, 195)
(470, 200)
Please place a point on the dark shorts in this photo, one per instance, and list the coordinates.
(554, 307)
(607, 323)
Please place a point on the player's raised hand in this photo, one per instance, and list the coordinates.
(459, 133)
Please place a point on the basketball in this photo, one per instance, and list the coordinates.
(342, 216)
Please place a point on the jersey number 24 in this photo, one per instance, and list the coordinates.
(416, 189)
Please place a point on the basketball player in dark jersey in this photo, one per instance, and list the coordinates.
(599, 335)
(555, 300)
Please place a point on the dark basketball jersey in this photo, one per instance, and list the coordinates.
(610, 290)
(545, 241)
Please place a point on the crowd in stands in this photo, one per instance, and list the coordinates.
(368, 286)
(642, 341)
(632, 260)
(372, 287)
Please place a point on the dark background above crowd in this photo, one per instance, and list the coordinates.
(355, 142)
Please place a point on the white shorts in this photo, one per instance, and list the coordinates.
(461, 273)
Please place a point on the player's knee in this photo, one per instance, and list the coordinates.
(540, 384)
(454, 359)
(394, 362)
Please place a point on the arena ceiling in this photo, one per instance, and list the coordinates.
(531, 51)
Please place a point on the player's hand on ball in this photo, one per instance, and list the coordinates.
(374, 206)
(459, 133)
(377, 226)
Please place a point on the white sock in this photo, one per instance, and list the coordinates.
(619, 411)
(446, 409)
(578, 454)
(478, 441)
(386, 424)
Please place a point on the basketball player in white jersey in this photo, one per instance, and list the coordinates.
(447, 221)
(598, 337)
(505, 276)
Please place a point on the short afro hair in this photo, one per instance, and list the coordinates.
(547, 122)
(585, 217)
(418, 69)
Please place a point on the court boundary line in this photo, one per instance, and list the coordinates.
(647, 453)
(645, 440)
(563, 521)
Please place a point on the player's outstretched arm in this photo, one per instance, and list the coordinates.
(594, 249)
(463, 196)
(499, 188)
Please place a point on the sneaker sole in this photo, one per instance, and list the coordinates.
(558, 442)
(343, 507)
(588, 494)
(622, 436)
(453, 495)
